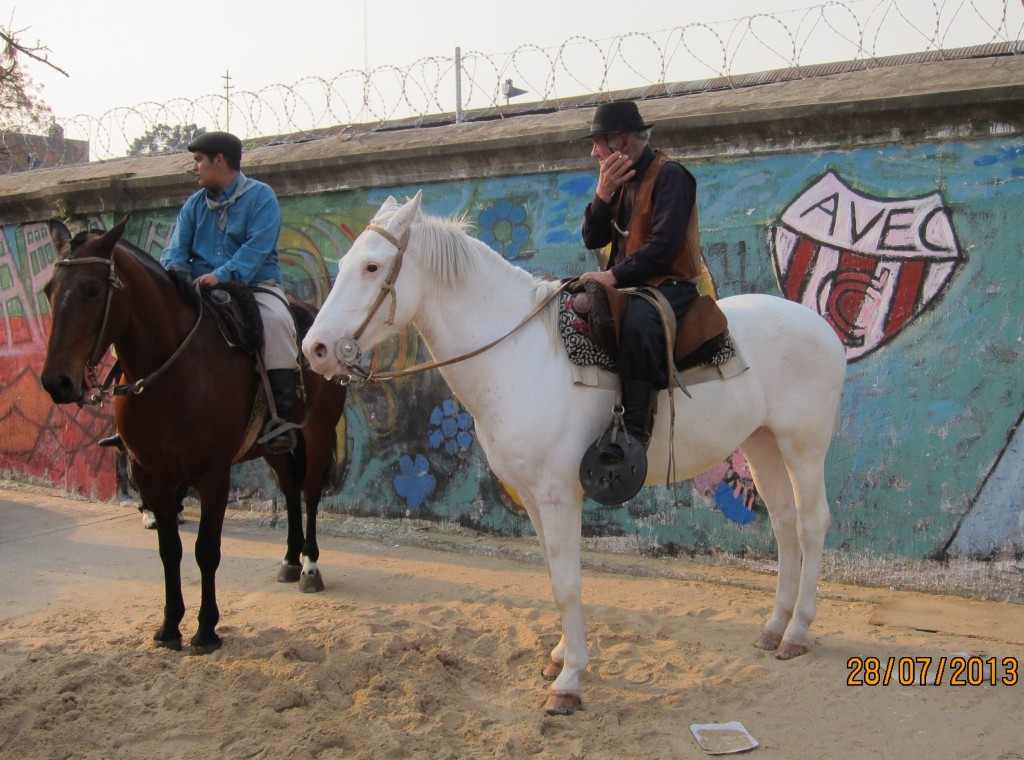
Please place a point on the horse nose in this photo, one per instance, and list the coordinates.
(320, 351)
(319, 355)
(61, 388)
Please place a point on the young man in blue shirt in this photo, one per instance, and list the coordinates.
(228, 231)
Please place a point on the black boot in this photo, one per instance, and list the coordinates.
(282, 385)
(112, 441)
(638, 418)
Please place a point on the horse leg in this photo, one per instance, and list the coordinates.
(554, 665)
(214, 498)
(320, 436)
(161, 501)
(562, 525)
(311, 579)
(287, 469)
(813, 519)
(773, 484)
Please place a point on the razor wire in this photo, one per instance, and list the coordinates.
(424, 91)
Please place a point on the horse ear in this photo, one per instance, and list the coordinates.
(386, 209)
(60, 235)
(406, 215)
(111, 236)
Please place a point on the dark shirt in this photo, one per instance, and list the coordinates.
(673, 197)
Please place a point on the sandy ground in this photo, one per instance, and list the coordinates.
(418, 653)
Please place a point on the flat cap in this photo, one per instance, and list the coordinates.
(212, 143)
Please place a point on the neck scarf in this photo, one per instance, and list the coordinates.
(244, 185)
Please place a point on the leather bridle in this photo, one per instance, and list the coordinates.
(347, 351)
(113, 281)
(109, 388)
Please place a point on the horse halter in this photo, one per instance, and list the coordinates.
(137, 387)
(347, 348)
(113, 281)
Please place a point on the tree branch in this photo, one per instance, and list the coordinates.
(14, 45)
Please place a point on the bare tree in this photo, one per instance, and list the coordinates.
(21, 106)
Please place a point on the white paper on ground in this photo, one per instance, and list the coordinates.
(723, 738)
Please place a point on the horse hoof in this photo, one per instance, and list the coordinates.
(551, 672)
(562, 704)
(310, 583)
(789, 650)
(172, 644)
(289, 573)
(768, 641)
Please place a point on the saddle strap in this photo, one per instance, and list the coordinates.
(668, 323)
(279, 425)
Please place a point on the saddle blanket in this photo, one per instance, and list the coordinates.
(593, 367)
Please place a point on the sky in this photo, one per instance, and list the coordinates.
(127, 52)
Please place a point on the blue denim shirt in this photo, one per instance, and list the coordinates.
(244, 251)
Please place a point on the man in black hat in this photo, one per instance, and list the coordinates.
(227, 231)
(645, 212)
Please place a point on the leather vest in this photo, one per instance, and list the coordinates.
(687, 263)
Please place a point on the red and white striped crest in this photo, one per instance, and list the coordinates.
(868, 265)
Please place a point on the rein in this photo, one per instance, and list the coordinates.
(348, 348)
(109, 388)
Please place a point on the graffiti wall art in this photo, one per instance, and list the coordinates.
(911, 252)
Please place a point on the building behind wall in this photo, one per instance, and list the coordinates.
(20, 152)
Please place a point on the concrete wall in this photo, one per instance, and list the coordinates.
(888, 200)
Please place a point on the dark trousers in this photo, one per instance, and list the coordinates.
(641, 354)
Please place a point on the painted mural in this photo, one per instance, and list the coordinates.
(911, 252)
(870, 278)
(37, 439)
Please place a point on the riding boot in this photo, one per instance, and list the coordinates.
(282, 385)
(111, 441)
(638, 418)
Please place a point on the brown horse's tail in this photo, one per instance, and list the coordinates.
(332, 478)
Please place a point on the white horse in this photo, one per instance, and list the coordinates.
(534, 423)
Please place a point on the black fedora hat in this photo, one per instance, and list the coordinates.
(617, 116)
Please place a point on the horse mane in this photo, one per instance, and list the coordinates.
(451, 254)
(181, 280)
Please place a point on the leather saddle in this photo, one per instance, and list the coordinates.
(699, 338)
(236, 312)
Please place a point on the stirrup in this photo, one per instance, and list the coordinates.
(279, 429)
(612, 483)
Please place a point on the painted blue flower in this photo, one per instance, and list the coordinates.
(503, 227)
(415, 483)
(450, 426)
(733, 506)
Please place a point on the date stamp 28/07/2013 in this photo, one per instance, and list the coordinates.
(954, 670)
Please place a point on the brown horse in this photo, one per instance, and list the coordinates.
(184, 410)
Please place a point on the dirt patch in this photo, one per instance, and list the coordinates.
(413, 652)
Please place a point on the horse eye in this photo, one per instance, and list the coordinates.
(91, 289)
(371, 267)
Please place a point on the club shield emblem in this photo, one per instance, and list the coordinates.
(868, 265)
